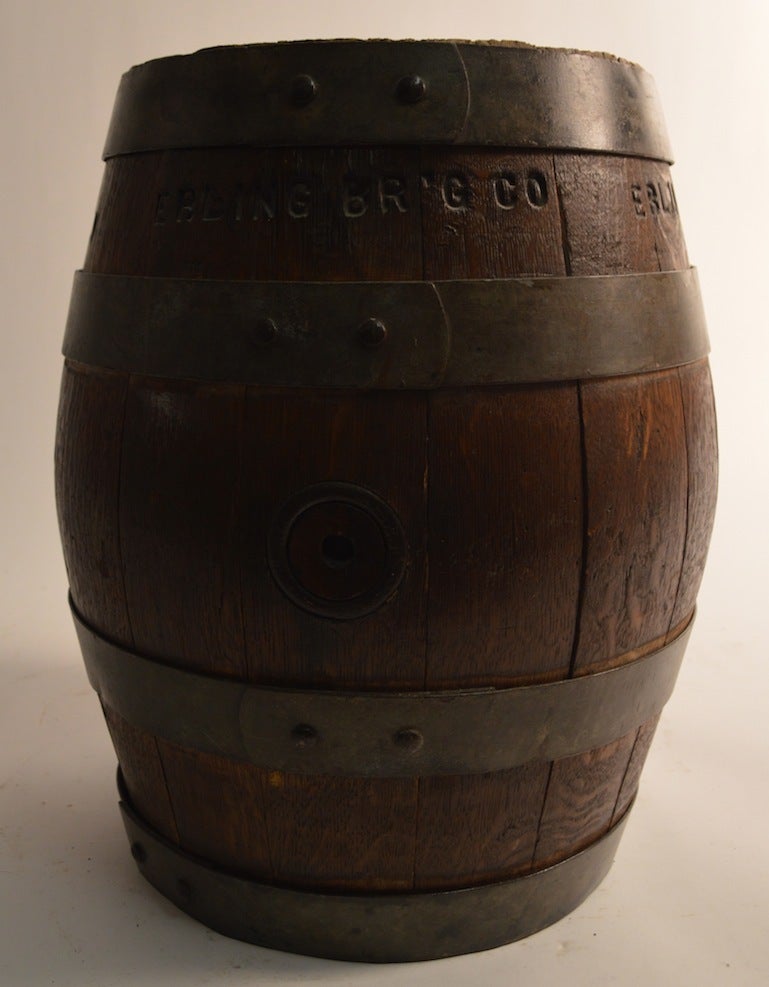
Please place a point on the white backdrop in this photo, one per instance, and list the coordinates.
(688, 898)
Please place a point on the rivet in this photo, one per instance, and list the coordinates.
(411, 89)
(303, 735)
(304, 89)
(409, 739)
(183, 889)
(372, 333)
(265, 331)
(138, 853)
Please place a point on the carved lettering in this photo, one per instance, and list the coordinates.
(635, 192)
(506, 191)
(536, 189)
(653, 198)
(456, 191)
(510, 188)
(392, 193)
(265, 199)
(299, 200)
(213, 205)
(355, 196)
(185, 205)
(673, 198)
(667, 198)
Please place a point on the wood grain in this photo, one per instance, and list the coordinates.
(294, 441)
(88, 438)
(629, 786)
(342, 833)
(219, 806)
(142, 771)
(478, 828)
(489, 214)
(581, 798)
(262, 213)
(505, 480)
(636, 525)
(383, 213)
(702, 459)
(179, 522)
(619, 215)
(125, 213)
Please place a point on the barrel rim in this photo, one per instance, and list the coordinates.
(389, 92)
(479, 43)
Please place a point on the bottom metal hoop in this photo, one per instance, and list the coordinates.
(373, 928)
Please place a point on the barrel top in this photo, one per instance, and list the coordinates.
(379, 92)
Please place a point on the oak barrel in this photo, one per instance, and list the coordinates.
(386, 469)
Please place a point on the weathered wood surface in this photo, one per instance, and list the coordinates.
(88, 444)
(505, 479)
(375, 440)
(636, 481)
(178, 522)
(551, 530)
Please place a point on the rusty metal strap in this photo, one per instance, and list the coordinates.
(379, 734)
(387, 334)
(386, 92)
(372, 928)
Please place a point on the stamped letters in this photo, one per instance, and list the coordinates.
(356, 195)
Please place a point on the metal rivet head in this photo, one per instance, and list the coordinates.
(183, 889)
(138, 853)
(409, 740)
(303, 735)
(304, 89)
(411, 89)
(265, 331)
(372, 333)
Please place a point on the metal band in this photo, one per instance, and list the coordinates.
(389, 92)
(389, 334)
(383, 928)
(379, 734)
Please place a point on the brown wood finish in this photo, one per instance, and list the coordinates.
(324, 214)
(383, 213)
(636, 483)
(179, 522)
(307, 830)
(581, 796)
(641, 746)
(702, 458)
(375, 440)
(142, 771)
(550, 530)
(489, 214)
(219, 805)
(504, 579)
(478, 828)
(88, 439)
(619, 215)
(342, 833)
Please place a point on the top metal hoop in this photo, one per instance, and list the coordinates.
(389, 92)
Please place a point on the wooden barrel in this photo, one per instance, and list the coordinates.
(386, 473)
